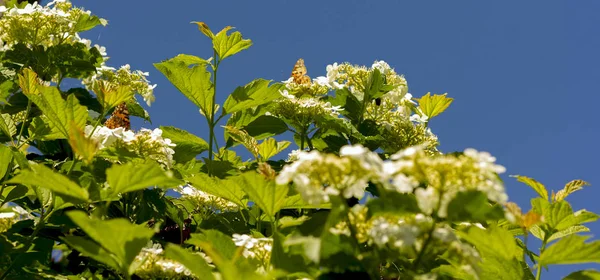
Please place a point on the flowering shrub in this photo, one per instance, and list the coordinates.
(364, 193)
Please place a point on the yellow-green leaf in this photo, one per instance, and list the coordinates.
(110, 95)
(434, 105)
(571, 250)
(7, 125)
(44, 177)
(269, 196)
(229, 189)
(132, 177)
(569, 188)
(83, 146)
(227, 45)
(270, 147)
(203, 27)
(535, 185)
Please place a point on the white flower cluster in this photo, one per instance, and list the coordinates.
(147, 143)
(123, 77)
(254, 248)
(49, 25)
(206, 201)
(317, 175)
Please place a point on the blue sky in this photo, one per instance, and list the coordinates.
(523, 73)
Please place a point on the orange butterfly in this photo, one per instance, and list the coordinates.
(119, 118)
(299, 73)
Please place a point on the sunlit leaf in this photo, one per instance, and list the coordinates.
(191, 78)
(570, 188)
(255, 93)
(7, 125)
(132, 177)
(6, 156)
(297, 202)
(188, 145)
(83, 146)
(535, 185)
(571, 250)
(265, 126)
(86, 22)
(227, 45)
(118, 236)
(434, 105)
(110, 95)
(270, 147)
(203, 27)
(44, 177)
(568, 231)
(229, 189)
(269, 196)
(583, 275)
(194, 262)
(473, 206)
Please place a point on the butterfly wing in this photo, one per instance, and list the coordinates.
(299, 73)
(119, 118)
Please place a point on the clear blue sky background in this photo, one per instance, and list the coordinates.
(523, 73)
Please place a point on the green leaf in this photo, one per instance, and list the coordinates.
(494, 241)
(83, 146)
(229, 189)
(194, 262)
(265, 126)
(577, 218)
(12, 193)
(117, 236)
(558, 213)
(110, 95)
(473, 206)
(569, 188)
(86, 22)
(434, 105)
(535, 185)
(91, 249)
(132, 177)
(256, 93)
(194, 82)
(269, 196)
(136, 110)
(391, 202)
(583, 275)
(44, 177)
(282, 259)
(6, 89)
(59, 112)
(571, 250)
(270, 147)
(215, 240)
(6, 156)
(7, 125)
(568, 231)
(227, 45)
(188, 145)
(297, 202)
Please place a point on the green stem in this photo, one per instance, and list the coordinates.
(538, 274)
(422, 252)
(23, 123)
(211, 119)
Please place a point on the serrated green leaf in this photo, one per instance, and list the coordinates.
(6, 89)
(12, 193)
(227, 45)
(117, 236)
(41, 129)
(494, 241)
(269, 196)
(188, 145)
(265, 126)
(583, 275)
(297, 202)
(91, 249)
(255, 93)
(571, 250)
(7, 125)
(132, 177)
(568, 231)
(535, 185)
(270, 147)
(110, 95)
(136, 110)
(229, 189)
(6, 157)
(44, 177)
(473, 206)
(570, 188)
(83, 146)
(221, 243)
(194, 262)
(558, 213)
(434, 105)
(194, 82)
(60, 113)
(86, 22)
(577, 218)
